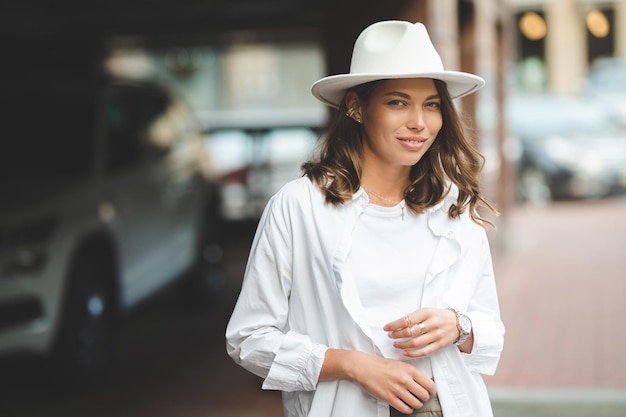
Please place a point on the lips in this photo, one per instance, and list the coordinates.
(413, 143)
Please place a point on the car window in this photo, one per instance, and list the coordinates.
(130, 112)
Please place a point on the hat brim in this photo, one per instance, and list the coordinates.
(331, 90)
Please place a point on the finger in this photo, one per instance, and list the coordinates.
(416, 395)
(399, 324)
(406, 321)
(416, 342)
(412, 401)
(415, 330)
(404, 333)
(420, 392)
(429, 385)
(424, 387)
(420, 345)
(421, 351)
(399, 405)
(431, 389)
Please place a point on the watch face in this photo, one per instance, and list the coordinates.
(465, 323)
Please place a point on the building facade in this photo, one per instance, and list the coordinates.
(558, 41)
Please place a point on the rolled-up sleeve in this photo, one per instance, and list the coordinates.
(297, 365)
(484, 311)
(258, 335)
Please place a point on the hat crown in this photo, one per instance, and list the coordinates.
(395, 47)
(390, 50)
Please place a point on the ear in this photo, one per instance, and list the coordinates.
(351, 99)
(353, 107)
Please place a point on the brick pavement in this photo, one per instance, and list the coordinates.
(561, 273)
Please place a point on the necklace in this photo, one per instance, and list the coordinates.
(394, 202)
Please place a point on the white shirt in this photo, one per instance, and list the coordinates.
(389, 266)
(296, 302)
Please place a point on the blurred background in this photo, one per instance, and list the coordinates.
(141, 139)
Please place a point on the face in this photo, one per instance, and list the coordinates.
(401, 120)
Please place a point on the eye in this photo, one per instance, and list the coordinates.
(433, 105)
(396, 103)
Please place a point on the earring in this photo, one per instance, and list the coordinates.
(350, 113)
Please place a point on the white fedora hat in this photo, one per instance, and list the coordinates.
(389, 50)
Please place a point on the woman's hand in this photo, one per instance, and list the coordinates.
(425, 331)
(397, 383)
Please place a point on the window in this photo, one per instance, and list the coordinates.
(130, 114)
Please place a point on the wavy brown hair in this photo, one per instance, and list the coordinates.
(453, 157)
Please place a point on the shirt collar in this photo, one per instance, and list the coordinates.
(438, 219)
(360, 197)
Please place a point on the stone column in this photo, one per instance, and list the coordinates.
(493, 45)
(566, 46)
(620, 28)
(443, 31)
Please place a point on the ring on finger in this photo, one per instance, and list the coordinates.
(411, 331)
(407, 320)
(422, 328)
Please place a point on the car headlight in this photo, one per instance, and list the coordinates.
(23, 246)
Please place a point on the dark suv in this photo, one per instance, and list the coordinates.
(107, 197)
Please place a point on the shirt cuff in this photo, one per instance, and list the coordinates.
(297, 365)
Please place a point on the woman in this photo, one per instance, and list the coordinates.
(369, 289)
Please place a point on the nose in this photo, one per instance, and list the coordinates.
(416, 120)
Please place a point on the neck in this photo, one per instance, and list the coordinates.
(389, 188)
(376, 196)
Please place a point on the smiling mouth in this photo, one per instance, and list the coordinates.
(413, 141)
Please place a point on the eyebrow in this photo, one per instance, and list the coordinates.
(407, 96)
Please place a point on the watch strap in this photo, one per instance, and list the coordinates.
(463, 334)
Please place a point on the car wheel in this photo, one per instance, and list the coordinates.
(533, 186)
(206, 277)
(83, 342)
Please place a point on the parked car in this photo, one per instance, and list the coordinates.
(606, 82)
(571, 147)
(106, 199)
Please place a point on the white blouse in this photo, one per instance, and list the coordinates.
(297, 301)
(389, 266)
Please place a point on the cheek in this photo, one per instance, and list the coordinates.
(379, 118)
(379, 124)
(435, 122)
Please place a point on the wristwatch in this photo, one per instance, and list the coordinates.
(464, 324)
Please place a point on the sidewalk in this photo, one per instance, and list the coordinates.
(561, 274)
(558, 402)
